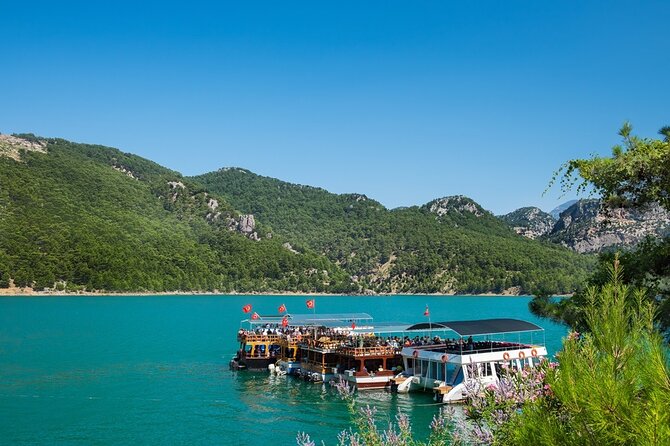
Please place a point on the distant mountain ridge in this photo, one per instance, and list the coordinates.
(588, 227)
(556, 212)
(585, 227)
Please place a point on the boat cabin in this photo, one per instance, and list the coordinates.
(474, 354)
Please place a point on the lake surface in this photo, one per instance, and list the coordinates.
(154, 369)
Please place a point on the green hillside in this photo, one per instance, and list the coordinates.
(447, 245)
(82, 216)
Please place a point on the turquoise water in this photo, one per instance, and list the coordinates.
(153, 370)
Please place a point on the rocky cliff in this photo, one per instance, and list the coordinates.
(530, 222)
(458, 204)
(12, 146)
(556, 212)
(587, 227)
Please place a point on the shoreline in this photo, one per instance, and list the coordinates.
(23, 292)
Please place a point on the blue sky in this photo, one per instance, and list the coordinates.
(402, 101)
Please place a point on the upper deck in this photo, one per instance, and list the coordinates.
(476, 347)
(251, 337)
(324, 344)
(380, 351)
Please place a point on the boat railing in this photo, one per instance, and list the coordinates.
(380, 350)
(324, 342)
(473, 348)
(486, 347)
(254, 337)
(364, 374)
(289, 342)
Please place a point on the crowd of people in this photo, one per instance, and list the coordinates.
(352, 339)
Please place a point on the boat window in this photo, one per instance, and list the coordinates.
(424, 368)
(393, 363)
(373, 364)
(457, 377)
(417, 367)
(451, 371)
(441, 369)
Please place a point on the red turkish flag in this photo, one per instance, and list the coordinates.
(282, 308)
(255, 316)
(426, 311)
(310, 303)
(246, 308)
(284, 322)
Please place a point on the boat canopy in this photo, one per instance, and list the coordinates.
(316, 319)
(478, 327)
(363, 324)
(308, 319)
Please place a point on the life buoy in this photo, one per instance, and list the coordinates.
(533, 353)
(445, 358)
(522, 355)
(506, 356)
(416, 353)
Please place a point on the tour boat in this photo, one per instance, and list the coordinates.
(259, 345)
(368, 367)
(256, 352)
(457, 368)
(289, 356)
(320, 354)
(319, 357)
(294, 343)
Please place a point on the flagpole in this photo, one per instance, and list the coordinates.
(314, 313)
(430, 326)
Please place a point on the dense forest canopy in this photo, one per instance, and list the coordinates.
(81, 216)
(85, 216)
(448, 245)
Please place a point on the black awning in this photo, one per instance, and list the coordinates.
(479, 327)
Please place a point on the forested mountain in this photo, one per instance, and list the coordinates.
(84, 216)
(80, 216)
(448, 245)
